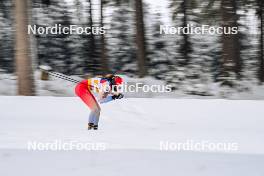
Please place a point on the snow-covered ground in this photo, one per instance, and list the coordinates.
(131, 131)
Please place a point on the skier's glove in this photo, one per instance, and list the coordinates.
(119, 96)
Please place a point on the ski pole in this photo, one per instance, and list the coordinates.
(65, 77)
(62, 76)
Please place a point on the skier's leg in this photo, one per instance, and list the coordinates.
(94, 119)
(87, 97)
(84, 93)
(91, 118)
(96, 116)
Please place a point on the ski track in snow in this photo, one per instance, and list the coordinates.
(132, 130)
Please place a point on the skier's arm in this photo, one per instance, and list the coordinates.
(106, 100)
(116, 94)
(110, 98)
(105, 97)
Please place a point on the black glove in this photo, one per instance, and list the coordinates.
(119, 96)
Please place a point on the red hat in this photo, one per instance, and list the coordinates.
(118, 80)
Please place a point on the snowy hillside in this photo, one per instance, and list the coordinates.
(132, 130)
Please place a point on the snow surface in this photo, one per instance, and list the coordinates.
(132, 130)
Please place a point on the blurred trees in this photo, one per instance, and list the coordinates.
(91, 42)
(121, 38)
(180, 13)
(6, 37)
(104, 60)
(134, 46)
(158, 50)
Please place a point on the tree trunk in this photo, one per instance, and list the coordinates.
(186, 44)
(231, 61)
(261, 56)
(23, 57)
(103, 44)
(92, 49)
(32, 39)
(236, 41)
(140, 39)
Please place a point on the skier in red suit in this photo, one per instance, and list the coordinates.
(95, 91)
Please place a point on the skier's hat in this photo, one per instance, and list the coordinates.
(114, 79)
(117, 80)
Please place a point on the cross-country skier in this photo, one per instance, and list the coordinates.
(98, 90)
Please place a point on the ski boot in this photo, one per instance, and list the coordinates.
(95, 127)
(90, 126)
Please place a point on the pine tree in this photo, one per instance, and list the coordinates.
(159, 56)
(181, 16)
(91, 49)
(260, 13)
(230, 64)
(180, 11)
(54, 50)
(104, 60)
(6, 36)
(121, 35)
(231, 61)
